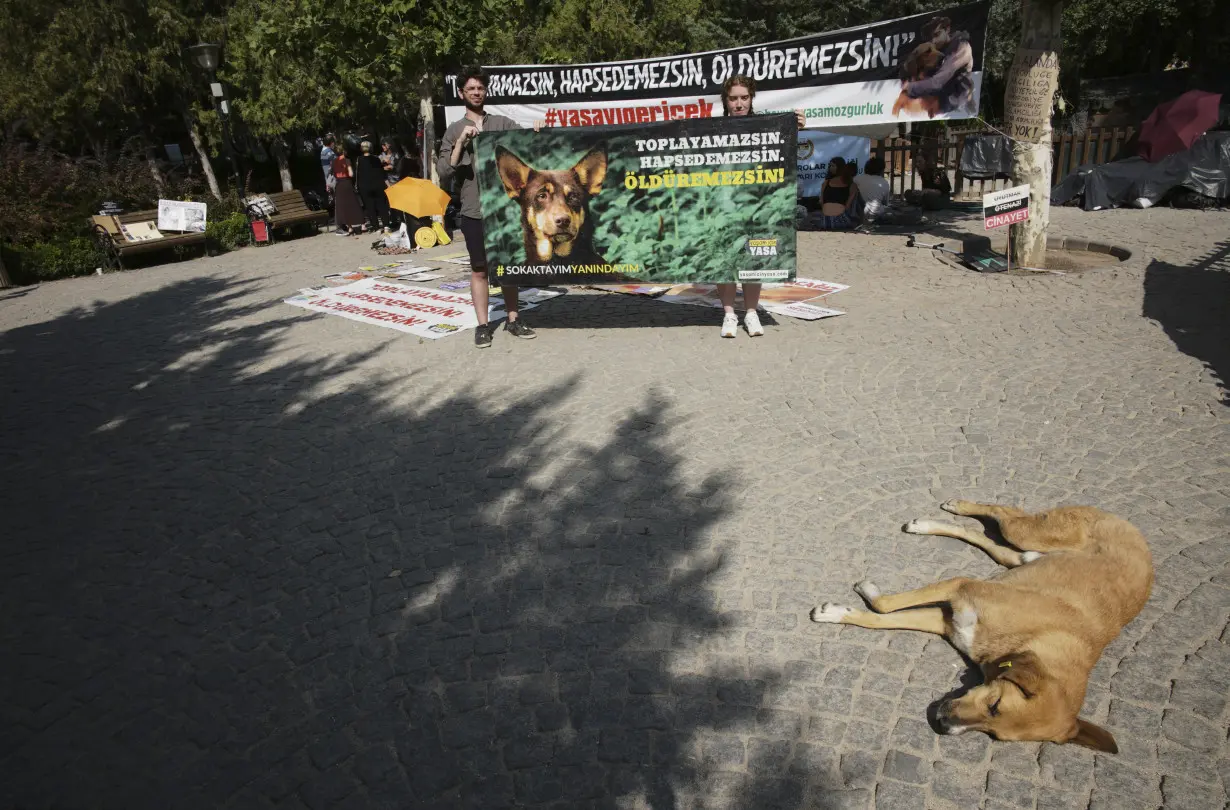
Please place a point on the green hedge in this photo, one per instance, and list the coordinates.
(229, 233)
(80, 255)
(46, 261)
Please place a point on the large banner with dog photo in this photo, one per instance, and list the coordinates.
(928, 66)
(695, 201)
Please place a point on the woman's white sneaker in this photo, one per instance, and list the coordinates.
(730, 325)
(752, 321)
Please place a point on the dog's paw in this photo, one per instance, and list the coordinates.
(920, 526)
(868, 590)
(956, 506)
(829, 613)
(1029, 556)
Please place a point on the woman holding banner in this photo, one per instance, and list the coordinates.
(737, 95)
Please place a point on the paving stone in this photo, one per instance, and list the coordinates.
(859, 768)
(1199, 698)
(1180, 794)
(1051, 799)
(1010, 791)
(915, 735)
(1192, 730)
(897, 796)
(905, 767)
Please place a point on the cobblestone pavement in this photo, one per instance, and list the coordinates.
(257, 557)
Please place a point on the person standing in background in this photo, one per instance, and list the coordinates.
(348, 213)
(370, 181)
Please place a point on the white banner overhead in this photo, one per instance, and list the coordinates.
(907, 69)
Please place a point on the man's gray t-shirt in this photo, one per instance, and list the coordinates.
(466, 189)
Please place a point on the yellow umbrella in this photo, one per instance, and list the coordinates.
(417, 197)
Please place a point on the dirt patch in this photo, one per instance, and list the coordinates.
(1062, 260)
(1072, 261)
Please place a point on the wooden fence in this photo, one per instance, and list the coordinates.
(1095, 145)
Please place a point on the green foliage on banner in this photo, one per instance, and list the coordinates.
(668, 230)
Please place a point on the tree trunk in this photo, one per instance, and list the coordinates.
(199, 146)
(5, 282)
(278, 148)
(151, 158)
(1027, 104)
(427, 115)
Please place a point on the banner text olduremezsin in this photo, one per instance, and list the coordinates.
(700, 72)
(670, 179)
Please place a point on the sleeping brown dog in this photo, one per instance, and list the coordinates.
(920, 64)
(1076, 575)
(555, 216)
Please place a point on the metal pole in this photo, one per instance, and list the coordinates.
(224, 112)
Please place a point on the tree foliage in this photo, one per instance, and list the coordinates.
(85, 74)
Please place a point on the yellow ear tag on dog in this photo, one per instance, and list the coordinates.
(1005, 664)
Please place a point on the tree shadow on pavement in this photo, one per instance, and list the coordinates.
(236, 578)
(1192, 304)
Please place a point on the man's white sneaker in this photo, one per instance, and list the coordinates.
(752, 321)
(730, 325)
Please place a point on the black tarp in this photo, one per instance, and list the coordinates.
(1135, 182)
(986, 157)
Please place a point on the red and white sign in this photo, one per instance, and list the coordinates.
(420, 311)
(1007, 207)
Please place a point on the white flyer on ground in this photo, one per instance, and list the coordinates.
(533, 295)
(420, 311)
(821, 287)
(803, 311)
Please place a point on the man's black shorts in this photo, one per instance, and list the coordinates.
(472, 230)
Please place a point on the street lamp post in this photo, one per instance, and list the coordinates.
(208, 55)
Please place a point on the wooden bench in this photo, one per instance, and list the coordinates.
(292, 210)
(116, 246)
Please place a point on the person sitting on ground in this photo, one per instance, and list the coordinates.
(875, 192)
(837, 197)
(873, 189)
(936, 189)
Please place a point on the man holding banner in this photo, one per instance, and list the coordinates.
(456, 163)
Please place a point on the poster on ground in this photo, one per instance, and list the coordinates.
(927, 66)
(681, 201)
(423, 312)
(771, 295)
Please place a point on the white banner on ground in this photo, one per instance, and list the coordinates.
(416, 310)
(820, 287)
(803, 311)
(855, 76)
